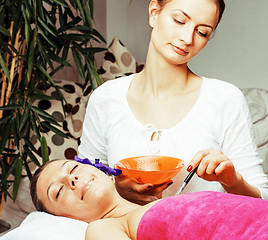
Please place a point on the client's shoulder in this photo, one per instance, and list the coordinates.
(105, 229)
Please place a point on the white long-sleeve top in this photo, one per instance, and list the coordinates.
(219, 120)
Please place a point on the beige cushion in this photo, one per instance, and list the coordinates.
(118, 61)
(257, 100)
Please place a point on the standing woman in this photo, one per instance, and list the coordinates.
(168, 110)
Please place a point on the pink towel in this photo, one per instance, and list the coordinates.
(206, 215)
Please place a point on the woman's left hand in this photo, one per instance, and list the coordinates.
(215, 166)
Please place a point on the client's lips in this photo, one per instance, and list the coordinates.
(85, 187)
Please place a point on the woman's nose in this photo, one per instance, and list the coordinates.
(186, 35)
(72, 181)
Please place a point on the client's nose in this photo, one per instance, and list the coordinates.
(72, 181)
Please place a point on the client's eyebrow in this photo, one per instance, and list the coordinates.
(53, 182)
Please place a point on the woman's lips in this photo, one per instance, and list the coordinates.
(85, 187)
(179, 50)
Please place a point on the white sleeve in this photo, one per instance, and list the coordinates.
(238, 144)
(93, 141)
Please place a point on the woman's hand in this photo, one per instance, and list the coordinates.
(215, 166)
(137, 192)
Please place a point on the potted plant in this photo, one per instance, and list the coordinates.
(36, 37)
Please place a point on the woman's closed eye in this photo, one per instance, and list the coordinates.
(58, 193)
(73, 168)
(202, 34)
(178, 21)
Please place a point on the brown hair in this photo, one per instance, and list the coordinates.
(221, 6)
(36, 201)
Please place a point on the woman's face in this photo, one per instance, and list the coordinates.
(182, 28)
(75, 190)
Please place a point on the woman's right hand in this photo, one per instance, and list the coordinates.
(137, 192)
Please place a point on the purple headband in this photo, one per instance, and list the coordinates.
(99, 165)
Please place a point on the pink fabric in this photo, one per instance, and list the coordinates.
(206, 215)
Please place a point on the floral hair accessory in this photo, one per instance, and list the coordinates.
(99, 165)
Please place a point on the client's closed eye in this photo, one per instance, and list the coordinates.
(58, 193)
(73, 169)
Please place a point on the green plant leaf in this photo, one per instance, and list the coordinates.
(87, 14)
(4, 31)
(65, 52)
(74, 37)
(80, 7)
(29, 174)
(59, 60)
(8, 172)
(30, 145)
(44, 150)
(70, 24)
(25, 118)
(46, 27)
(61, 17)
(30, 59)
(96, 33)
(53, 129)
(40, 96)
(40, 9)
(17, 176)
(15, 133)
(16, 26)
(4, 136)
(44, 35)
(41, 112)
(78, 63)
(31, 155)
(6, 118)
(10, 107)
(4, 67)
(34, 127)
(43, 51)
(51, 121)
(61, 2)
(27, 25)
(45, 73)
(91, 74)
(91, 8)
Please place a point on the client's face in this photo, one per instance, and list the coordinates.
(75, 190)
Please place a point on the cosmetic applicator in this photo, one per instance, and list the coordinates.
(186, 181)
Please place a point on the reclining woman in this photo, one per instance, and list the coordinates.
(80, 191)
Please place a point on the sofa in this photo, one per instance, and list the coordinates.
(117, 61)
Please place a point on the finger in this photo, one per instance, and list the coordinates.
(213, 163)
(220, 168)
(158, 189)
(142, 188)
(121, 176)
(203, 165)
(209, 163)
(198, 158)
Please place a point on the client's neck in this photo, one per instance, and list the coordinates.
(121, 208)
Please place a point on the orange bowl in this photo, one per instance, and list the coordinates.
(150, 169)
